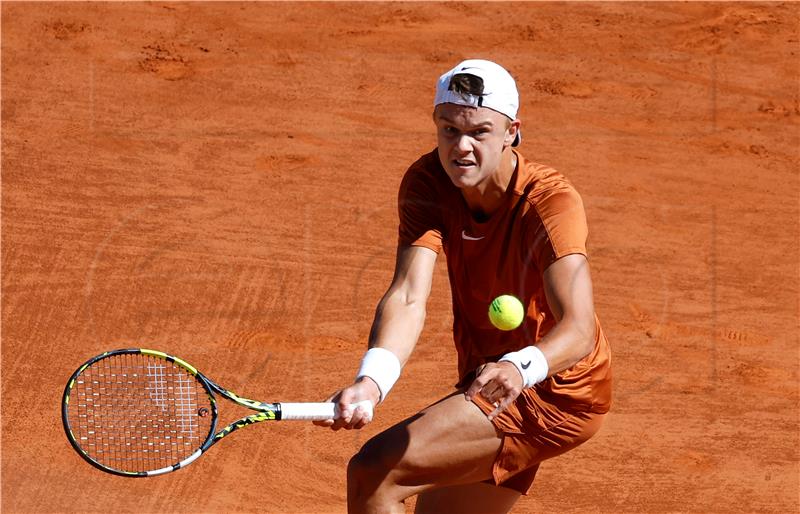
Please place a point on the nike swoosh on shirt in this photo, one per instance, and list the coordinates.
(470, 238)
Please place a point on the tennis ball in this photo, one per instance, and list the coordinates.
(506, 312)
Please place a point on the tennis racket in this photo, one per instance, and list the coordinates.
(141, 413)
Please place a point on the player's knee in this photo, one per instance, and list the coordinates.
(372, 467)
(369, 486)
(364, 468)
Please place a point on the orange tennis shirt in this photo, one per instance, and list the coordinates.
(541, 220)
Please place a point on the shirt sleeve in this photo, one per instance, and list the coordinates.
(561, 227)
(419, 211)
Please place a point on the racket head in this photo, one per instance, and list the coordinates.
(135, 412)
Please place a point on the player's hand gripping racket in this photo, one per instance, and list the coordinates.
(139, 413)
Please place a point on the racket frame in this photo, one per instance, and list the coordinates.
(265, 412)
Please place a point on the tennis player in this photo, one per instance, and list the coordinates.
(507, 225)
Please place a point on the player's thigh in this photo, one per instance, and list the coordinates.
(479, 498)
(450, 442)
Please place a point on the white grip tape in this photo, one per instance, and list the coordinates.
(319, 411)
(531, 363)
(382, 366)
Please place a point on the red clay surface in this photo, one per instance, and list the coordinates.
(219, 180)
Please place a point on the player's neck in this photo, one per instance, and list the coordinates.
(487, 197)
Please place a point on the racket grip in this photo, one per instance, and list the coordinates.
(319, 411)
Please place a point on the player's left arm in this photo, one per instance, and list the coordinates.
(568, 287)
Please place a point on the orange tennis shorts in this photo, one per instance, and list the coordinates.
(545, 432)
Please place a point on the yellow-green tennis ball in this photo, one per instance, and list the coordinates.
(506, 312)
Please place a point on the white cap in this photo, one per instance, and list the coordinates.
(499, 89)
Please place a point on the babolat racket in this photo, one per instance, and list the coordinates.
(140, 413)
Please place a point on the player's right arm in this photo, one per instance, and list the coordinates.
(398, 322)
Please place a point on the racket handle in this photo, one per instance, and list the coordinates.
(318, 411)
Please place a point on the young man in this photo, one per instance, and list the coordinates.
(507, 226)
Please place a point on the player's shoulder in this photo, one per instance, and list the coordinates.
(427, 165)
(547, 188)
(555, 214)
(426, 173)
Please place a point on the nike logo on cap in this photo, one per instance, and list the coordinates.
(470, 238)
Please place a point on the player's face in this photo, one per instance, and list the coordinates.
(471, 141)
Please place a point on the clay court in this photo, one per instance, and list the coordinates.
(219, 181)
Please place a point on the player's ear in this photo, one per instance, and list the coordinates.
(511, 132)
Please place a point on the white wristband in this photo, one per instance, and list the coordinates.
(382, 366)
(531, 363)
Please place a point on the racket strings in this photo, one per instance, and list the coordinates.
(135, 412)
